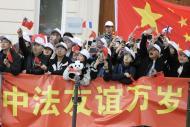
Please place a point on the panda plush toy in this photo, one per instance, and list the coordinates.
(72, 70)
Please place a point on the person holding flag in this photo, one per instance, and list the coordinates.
(10, 61)
(35, 62)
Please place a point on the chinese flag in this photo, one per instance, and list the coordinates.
(9, 57)
(154, 13)
(28, 24)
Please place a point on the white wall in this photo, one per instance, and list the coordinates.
(12, 13)
(85, 9)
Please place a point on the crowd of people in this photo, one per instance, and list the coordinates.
(107, 56)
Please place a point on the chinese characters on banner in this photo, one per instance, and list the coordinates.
(46, 101)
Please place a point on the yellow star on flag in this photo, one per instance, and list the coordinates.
(183, 22)
(148, 17)
(187, 37)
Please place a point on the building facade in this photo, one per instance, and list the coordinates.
(48, 14)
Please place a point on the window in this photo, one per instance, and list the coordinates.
(50, 15)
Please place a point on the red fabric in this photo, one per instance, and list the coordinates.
(171, 14)
(97, 100)
(28, 24)
(92, 35)
(84, 24)
(39, 35)
(9, 57)
(37, 61)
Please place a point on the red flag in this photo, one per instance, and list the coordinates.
(84, 24)
(28, 24)
(37, 61)
(154, 13)
(93, 34)
(9, 57)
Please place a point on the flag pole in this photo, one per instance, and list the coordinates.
(188, 108)
(75, 100)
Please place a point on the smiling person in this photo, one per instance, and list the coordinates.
(10, 61)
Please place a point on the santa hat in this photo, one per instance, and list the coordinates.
(39, 39)
(130, 52)
(174, 45)
(56, 30)
(85, 53)
(49, 45)
(61, 44)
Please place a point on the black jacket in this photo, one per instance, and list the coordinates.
(15, 66)
(56, 69)
(144, 63)
(100, 71)
(171, 62)
(118, 72)
(186, 70)
(29, 64)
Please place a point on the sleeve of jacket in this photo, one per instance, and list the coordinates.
(59, 72)
(37, 71)
(93, 71)
(23, 47)
(143, 49)
(15, 68)
(85, 81)
(66, 73)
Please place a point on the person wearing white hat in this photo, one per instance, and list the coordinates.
(58, 65)
(85, 74)
(184, 64)
(124, 71)
(10, 61)
(149, 60)
(101, 64)
(109, 26)
(48, 50)
(35, 62)
(170, 54)
(101, 43)
(83, 56)
(55, 36)
(70, 42)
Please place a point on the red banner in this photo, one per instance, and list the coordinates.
(154, 13)
(46, 101)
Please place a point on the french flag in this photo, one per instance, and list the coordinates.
(87, 24)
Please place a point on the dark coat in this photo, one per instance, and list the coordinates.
(144, 63)
(118, 71)
(15, 66)
(29, 64)
(53, 67)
